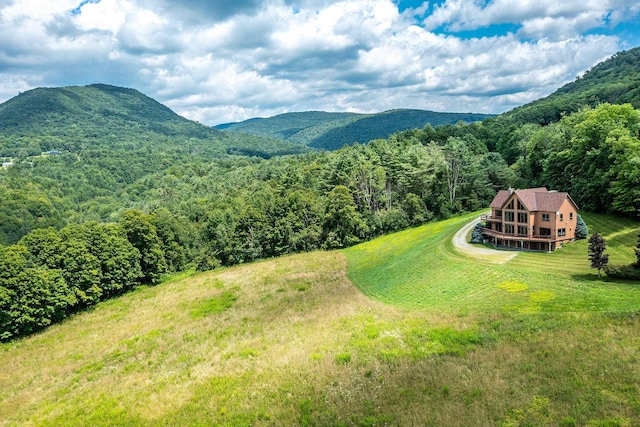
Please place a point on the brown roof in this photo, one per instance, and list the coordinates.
(500, 199)
(551, 202)
(528, 197)
(534, 199)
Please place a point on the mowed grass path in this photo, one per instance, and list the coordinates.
(419, 269)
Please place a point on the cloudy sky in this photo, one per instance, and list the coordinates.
(229, 60)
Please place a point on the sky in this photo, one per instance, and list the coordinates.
(229, 60)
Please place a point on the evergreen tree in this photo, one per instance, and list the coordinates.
(476, 234)
(581, 228)
(598, 258)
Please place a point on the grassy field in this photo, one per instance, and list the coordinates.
(428, 337)
(419, 269)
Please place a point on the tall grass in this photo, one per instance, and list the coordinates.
(291, 341)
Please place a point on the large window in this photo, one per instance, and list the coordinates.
(508, 229)
(498, 213)
(520, 206)
(498, 227)
(508, 216)
(523, 231)
(545, 231)
(523, 217)
(510, 205)
(545, 217)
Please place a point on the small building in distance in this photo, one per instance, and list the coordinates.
(533, 219)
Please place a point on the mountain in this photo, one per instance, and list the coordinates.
(614, 81)
(330, 131)
(98, 116)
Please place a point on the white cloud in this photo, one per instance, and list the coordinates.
(231, 60)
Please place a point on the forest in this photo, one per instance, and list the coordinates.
(117, 209)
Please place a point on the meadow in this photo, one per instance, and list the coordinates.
(427, 336)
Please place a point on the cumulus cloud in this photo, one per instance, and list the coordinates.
(231, 60)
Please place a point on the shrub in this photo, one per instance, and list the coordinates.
(626, 272)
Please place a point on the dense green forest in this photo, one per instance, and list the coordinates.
(330, 131)
(119, 203)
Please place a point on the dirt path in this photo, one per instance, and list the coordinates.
(476, 251)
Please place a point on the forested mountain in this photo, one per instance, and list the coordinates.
(330, 131)
(614, 81)
(95, 117)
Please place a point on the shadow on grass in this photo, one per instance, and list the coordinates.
(605, 279)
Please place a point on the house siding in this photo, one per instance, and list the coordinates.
(507, 231)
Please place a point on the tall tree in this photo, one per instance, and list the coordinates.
(142, 234)
(598, 258)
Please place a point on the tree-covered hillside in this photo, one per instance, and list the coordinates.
(614, 81)
(330, 131)
(76, 119)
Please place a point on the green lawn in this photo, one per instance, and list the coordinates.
(419, 269)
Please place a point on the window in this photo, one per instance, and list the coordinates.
(570, 216)
(520, 206)
(545, 217)
(508, 216)
(498, 213)
(523, 217)
(498, 227)
(545, 231)
(562, 232)
(508, 229)
(561, 217)
(510, 205)
(523, 231)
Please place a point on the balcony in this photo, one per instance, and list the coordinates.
(515, 236)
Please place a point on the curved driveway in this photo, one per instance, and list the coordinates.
(461, 245)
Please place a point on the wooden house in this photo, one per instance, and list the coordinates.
(534, 219)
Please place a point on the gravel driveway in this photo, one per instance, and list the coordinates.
(461, 244)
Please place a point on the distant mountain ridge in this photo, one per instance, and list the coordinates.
(101, 116)
(330, 131)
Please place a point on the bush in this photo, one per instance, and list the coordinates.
(626, 272)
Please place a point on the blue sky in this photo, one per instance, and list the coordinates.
(230, 60)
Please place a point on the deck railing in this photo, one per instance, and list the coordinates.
(515, 236)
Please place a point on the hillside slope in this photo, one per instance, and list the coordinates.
(106, 117)
(330, 131)
(290, 341)
(615, 81)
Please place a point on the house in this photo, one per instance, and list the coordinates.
(533, 219)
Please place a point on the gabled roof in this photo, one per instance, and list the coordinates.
(528, 197)
(534, 199)
(552, 201)
(500, 199)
